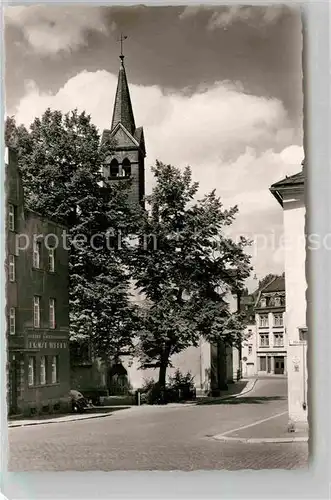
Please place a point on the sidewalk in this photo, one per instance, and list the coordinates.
(99, 412)
(273, 429)
(235, 390)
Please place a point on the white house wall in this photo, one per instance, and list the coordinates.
(295, 261)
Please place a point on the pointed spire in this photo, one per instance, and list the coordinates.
(123, 108)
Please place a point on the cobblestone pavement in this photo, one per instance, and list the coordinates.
(161, 438)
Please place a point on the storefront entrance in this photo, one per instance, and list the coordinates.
(279, 365)
(13, 383)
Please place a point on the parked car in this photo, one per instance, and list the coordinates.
(78, 402)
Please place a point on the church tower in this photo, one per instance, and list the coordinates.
(127, 153)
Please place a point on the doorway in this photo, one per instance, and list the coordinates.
(13, 382)
(279, 365)
(250, 369)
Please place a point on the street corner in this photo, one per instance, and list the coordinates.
(272, 429)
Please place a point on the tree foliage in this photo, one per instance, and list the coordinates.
(61, 161)
(186, 269)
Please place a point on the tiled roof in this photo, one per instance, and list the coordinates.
(293, 180)
(123, 108)
(276, 285)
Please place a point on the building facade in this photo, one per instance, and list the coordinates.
(37, 306)
(248, 350)
(271, 339)
(290, 194)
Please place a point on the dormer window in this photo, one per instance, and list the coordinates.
(114, 168)
(263, 302)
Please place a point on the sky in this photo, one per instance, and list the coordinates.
(216, 88)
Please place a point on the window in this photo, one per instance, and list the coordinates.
(114, 169)
(263, 364)
(36, 311)
(51, 260)
(52, 313)
(55, 369)
(278, 319)
(126, 168)
(264, 322)
(278, 340)
(11, 267)
(43, 370)
(250, 350)
(263, 302)
(11, 217)
(32, 371)
(12, 318)
(277, 302)
(264, 340)
(36, 254)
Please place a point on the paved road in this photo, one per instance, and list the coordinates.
(159, 438)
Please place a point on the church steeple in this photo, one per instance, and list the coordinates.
(124, 143)
(123, 112)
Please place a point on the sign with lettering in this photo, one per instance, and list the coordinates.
(45, 344)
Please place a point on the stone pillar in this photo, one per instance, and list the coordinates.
(272, 364)
(285, 364)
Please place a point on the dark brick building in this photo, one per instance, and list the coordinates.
(37, 307)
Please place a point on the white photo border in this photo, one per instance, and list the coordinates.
(263, 484)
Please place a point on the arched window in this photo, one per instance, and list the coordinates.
(114, 169)
(126, 167)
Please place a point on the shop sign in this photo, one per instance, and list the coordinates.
(46, 344)
(45, 340)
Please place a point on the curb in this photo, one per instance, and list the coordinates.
(244, 391)
(55, 421)
(261, 440)
(232, 396)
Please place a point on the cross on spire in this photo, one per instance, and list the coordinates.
(121, 40)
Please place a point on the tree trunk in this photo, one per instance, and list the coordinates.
(164, 360)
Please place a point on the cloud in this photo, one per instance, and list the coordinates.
(52, 29)
(239, 144)
(251, 15)
(223, 17)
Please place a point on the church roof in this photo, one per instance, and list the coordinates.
(123, 112)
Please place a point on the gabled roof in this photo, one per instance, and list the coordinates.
(123, 112)
(275, 285)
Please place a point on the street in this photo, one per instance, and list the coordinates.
(160, 438)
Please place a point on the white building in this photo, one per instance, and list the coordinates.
(271, 340)
(290, 194)
(248, 352)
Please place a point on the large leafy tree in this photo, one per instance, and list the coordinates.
(60, 158)
(185, 266)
